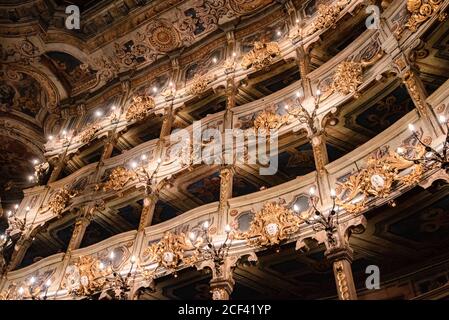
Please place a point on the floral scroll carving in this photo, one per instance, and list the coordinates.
(140, 109)
(261, 56)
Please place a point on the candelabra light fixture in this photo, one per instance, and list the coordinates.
(299, 112)
(16, 224)
(119, 284)
(34, 290)
(431, 156)
(144, 174)
(318, 219)
(210, 251)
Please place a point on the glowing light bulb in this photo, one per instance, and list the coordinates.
(98, 113)
(400, 150)
(101, 265)
(214, 60)
(154, 89)
(64, 133)
(333, 193)
(286, 107)
(298, 94)
(278, 33)
(50, 138)
(30, 178)
(411, 127)
(113, 108)
(297, 20)
(9, 213)
(35, 161)
(234, 54)
(295, 208)
(206, 225)
(442, 119)
(143, 157)
(112, 255)
(16, 206)
(32, 280)
(133, 259)
(318, 93)
(27, 209)
(21, 290)
(227, 228)
(159, 160)
(48, 283)
(312, 191)
(192, 236)
(134, 165)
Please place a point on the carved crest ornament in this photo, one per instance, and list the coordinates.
(199, 84)
(347, 77)
(88, 134)
(268, 120)
(327, 16)
(118, 178)
(261, 56)
(172, 251)
(59, 201)
(271, 225)
(140, 108)
(383, 173)
(85, 277)
(422, 10)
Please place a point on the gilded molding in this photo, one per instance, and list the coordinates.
(268, 120)
(140, 108)
(270, 226)
(118, 178)
(199, 84)
(261, 56)
(327, 16)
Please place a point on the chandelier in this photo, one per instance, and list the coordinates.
(302, 114)
(431, 156)
(210, 251)
(318, 219)
(144, 175)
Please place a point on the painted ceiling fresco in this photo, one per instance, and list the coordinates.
(24, 95)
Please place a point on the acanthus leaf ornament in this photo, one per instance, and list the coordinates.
(383, 173)
(268, 120)
(59, 201)
(118, 179)
(270, 226)
(172, 252)
(421, 11)
(85, 277)
(140, 109)
(327, 16)
(199, 84)
(347, 77)
(88, 133)
(261, 56)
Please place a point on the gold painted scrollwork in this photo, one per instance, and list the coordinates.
(172, 252)
(347, 77)
(327, 16)
(59, 201)
(271, 225)
(140, 109)
(378, 179)
(421, 11)
(268, 120)
(118, 178)
(199, 84)
(261, 56)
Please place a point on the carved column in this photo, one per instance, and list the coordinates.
(321, 158)
(303, 61)
(20, 249)
(167, 122)
(108, 147)
(81, 225)
(149, 204)
(341, 259)
(58, 166)
(418, 93)
(226, 182)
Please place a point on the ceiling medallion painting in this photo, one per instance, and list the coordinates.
(261, 56)
(270, 226)
(247, 6)
(172, 252)
(384, 172)
(140, 108)
(161, 35)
